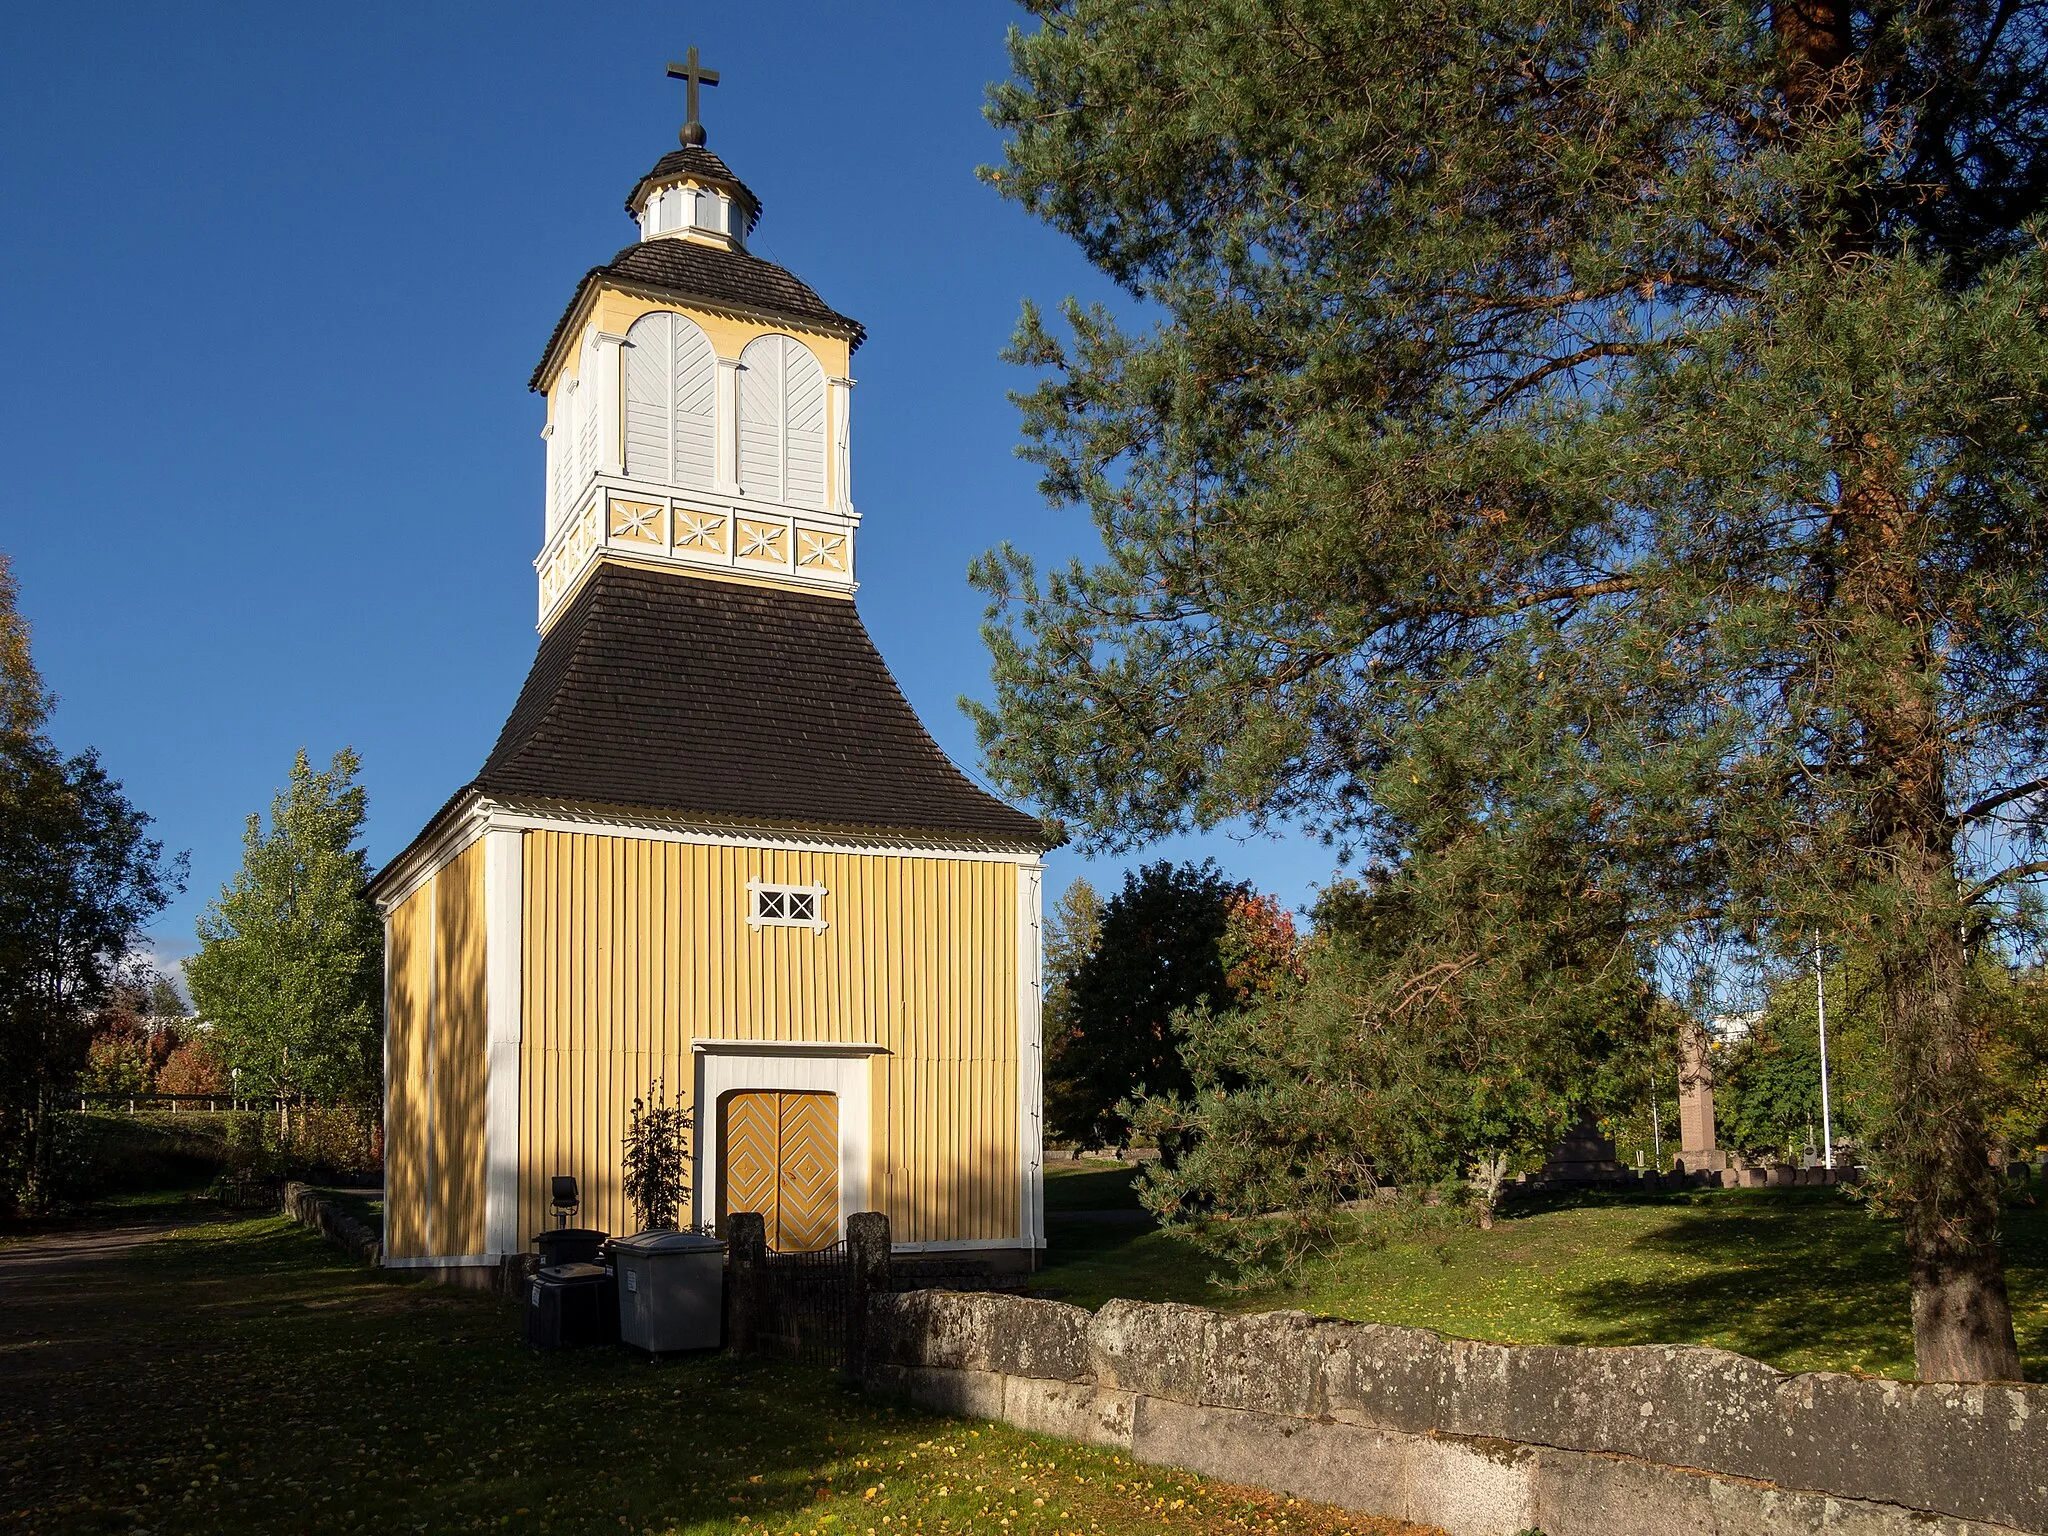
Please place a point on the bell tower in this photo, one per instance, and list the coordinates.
(698, 398)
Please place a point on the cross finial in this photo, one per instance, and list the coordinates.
(694, 74)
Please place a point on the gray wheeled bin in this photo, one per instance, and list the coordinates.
(671, 1290)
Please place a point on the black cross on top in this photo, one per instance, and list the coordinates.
(694, 75)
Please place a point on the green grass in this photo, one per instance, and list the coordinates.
(1802, 1278)
(241, 1378)
(1090, 1187)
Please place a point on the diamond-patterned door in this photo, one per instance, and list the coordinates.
(748, 1140)
(807, 1180)
(781, 1156)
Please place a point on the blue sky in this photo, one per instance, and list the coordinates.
(272, 279)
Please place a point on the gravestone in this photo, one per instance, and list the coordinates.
(1581, 1158)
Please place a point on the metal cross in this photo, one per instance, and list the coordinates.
(694, 74)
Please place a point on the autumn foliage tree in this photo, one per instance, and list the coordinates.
(1623, 424)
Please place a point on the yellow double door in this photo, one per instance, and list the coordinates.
(781, 1155)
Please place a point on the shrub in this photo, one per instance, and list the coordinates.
(658, 1160)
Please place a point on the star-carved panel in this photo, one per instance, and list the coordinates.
(820, 551)
(763, 543)
(639, 522)
(703, 532)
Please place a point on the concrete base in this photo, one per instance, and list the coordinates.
(1468, 1486)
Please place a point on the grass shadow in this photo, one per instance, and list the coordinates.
(1801, 1278)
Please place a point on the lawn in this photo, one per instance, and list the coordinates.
(1802, 1278)
(241, 1377)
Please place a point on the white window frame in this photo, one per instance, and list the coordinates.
(756, 919)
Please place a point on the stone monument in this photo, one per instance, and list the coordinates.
(1697, 1152)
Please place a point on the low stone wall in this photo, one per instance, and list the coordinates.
(1482, 1439)
(305, 1205)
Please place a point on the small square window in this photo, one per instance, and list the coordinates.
(786, 906)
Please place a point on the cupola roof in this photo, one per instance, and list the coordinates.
(695, 163)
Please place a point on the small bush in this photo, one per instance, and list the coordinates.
(658, 1160)
(340, 1144)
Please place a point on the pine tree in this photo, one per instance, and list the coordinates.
(1621, 423)
(290, 964)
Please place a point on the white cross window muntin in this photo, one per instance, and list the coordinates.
(785, 906)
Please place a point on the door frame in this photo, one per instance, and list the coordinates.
(728, 1066)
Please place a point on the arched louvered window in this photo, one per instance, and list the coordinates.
(782, 422)
(583, 412)
(671, 401)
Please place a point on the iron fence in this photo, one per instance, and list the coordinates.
(806, 1304)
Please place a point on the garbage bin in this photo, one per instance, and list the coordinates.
(565, 1307)
(568, 1245)
(671, 1290)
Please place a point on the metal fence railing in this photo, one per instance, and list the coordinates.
(805, 1306)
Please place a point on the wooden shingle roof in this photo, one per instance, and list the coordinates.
(667, 692)
(691, 269)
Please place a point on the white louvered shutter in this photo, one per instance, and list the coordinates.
(648, 347)
(782, 422)
(803, 426)
(586, 417)
(761, 418)
(694, 415)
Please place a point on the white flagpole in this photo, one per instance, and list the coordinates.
(1820, 992)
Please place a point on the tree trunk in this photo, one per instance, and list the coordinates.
(1934, 1144)
(1885, 661)
(1962, 1318)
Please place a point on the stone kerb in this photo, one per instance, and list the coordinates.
(1975, 1453)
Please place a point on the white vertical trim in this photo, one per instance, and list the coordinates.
(1031, 1053)
(840, 394)
(504, 916)
(726, 1066)
(727, 427)
(611, 422)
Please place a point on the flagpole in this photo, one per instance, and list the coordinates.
(1820, 993)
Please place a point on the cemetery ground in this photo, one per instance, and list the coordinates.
(238, 1375)
(1803, 1279)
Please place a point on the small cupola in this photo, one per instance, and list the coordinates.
(690, 193)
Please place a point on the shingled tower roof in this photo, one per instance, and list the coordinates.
(666, 692)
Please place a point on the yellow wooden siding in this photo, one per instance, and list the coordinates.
(633, 947)
(409, 937)
(434, 1134)
(460, 1052)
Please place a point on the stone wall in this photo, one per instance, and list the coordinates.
(1482, 1439)
(304, 1204)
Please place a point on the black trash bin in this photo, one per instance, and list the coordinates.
(568, 1245)
(565, 1307)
